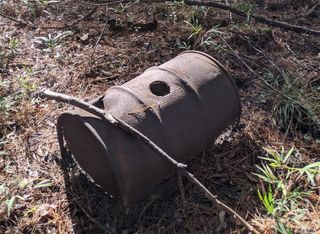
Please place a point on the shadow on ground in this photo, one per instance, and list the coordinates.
(225, 168)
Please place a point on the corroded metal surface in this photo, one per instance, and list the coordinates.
(182, 105)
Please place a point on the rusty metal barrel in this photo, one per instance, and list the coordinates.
(181, 105)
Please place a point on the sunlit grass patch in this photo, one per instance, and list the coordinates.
(301, 114)
(287, 190)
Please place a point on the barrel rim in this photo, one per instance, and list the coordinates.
(225, 71)
(74, 114)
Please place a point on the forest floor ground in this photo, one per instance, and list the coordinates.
(35, 196)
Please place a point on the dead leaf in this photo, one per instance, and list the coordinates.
(84, 37)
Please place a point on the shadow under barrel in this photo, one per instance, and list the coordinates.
(181, 105)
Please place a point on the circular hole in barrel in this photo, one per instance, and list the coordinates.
(159, 88)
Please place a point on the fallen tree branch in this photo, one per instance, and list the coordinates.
(100, 3)
(13, 19)
(261, 19)
(111, 119)
(180, 168)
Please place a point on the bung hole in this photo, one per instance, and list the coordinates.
(159, 88)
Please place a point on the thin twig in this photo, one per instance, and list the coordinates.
(126, 127)
(101, 3)
(182, 192)
(265, 83)
(149, 203)
(89, 216)
(219, 203)
(181, 168)
(312, 10)
(100, 36)
(13, 19)
(96, 3)
(70, 192)
(90, 13)
(111, 119)
(261, 19)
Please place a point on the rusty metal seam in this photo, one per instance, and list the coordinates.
(148, 107)
(143, 103)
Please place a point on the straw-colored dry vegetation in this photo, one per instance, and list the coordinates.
(267, 169)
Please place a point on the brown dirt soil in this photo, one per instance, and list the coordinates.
(51, 197)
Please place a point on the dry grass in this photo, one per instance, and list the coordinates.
(47, 196)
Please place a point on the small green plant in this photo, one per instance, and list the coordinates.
(198, 36)
(11, 202)
(246, 8)
(264, 30)
(300, 112)
(175, 11)
(122, 8)
(282, 229)
(6, 101)
(10, 192)
(2, 152)
(184, 45)
(34, 5)
(8, 52)
(205, 10)
(25, 83)
(288, 187)
(13, 43)
(278, 159)
(7, 199)
(136, 28)
(267, 200)
(21, 88)
(52, 42)
(5, 105)
(207, 38)
(195, 27)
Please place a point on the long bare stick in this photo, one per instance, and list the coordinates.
(261, 19)
(107, 3)
(121, 124)
(100, 36)
(111, 119)
(13, 19)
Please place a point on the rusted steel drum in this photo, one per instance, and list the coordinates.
(182, 105)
